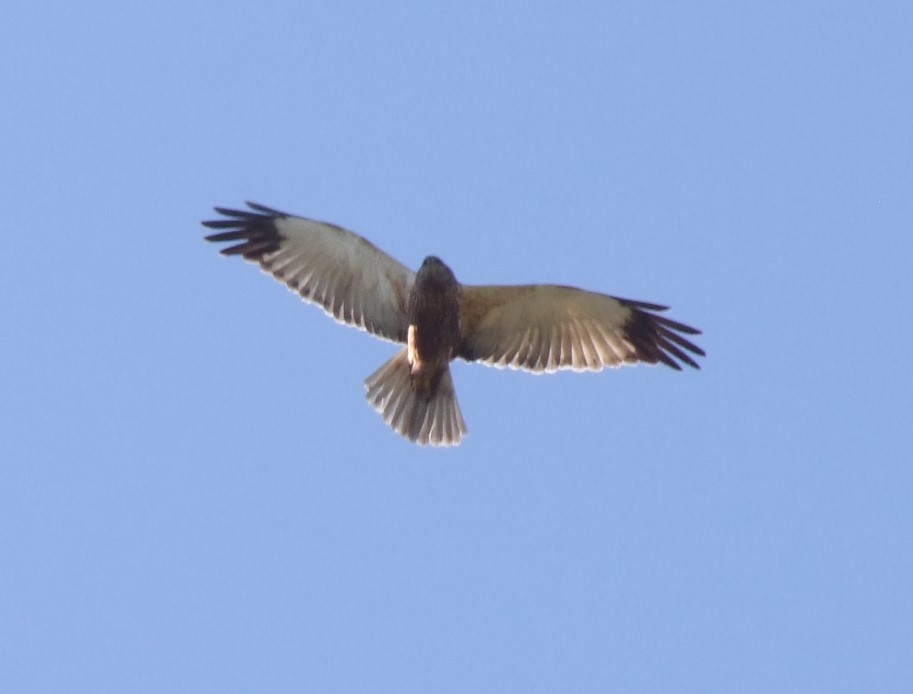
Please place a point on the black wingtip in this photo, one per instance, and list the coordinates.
(263, 209)
(257, 231)
(659, 339)
(643, 305)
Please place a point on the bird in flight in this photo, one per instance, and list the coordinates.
(537, 327)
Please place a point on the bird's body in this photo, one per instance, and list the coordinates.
(434, 324)
(538, 328)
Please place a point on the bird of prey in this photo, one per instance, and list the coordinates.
(537, 328)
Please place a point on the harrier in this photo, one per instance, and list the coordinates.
(537, 327)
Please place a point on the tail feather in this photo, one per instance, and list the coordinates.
(436, 421)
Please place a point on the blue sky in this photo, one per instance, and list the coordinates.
(194, 495)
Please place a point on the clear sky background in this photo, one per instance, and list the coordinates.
(194, 494)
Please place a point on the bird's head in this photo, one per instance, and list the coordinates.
(433, 269)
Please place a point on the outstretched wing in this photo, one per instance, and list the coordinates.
(349, 277)
(546, 327)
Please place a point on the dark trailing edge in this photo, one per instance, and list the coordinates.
(257, 230)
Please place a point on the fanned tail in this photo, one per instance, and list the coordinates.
(436, 420)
